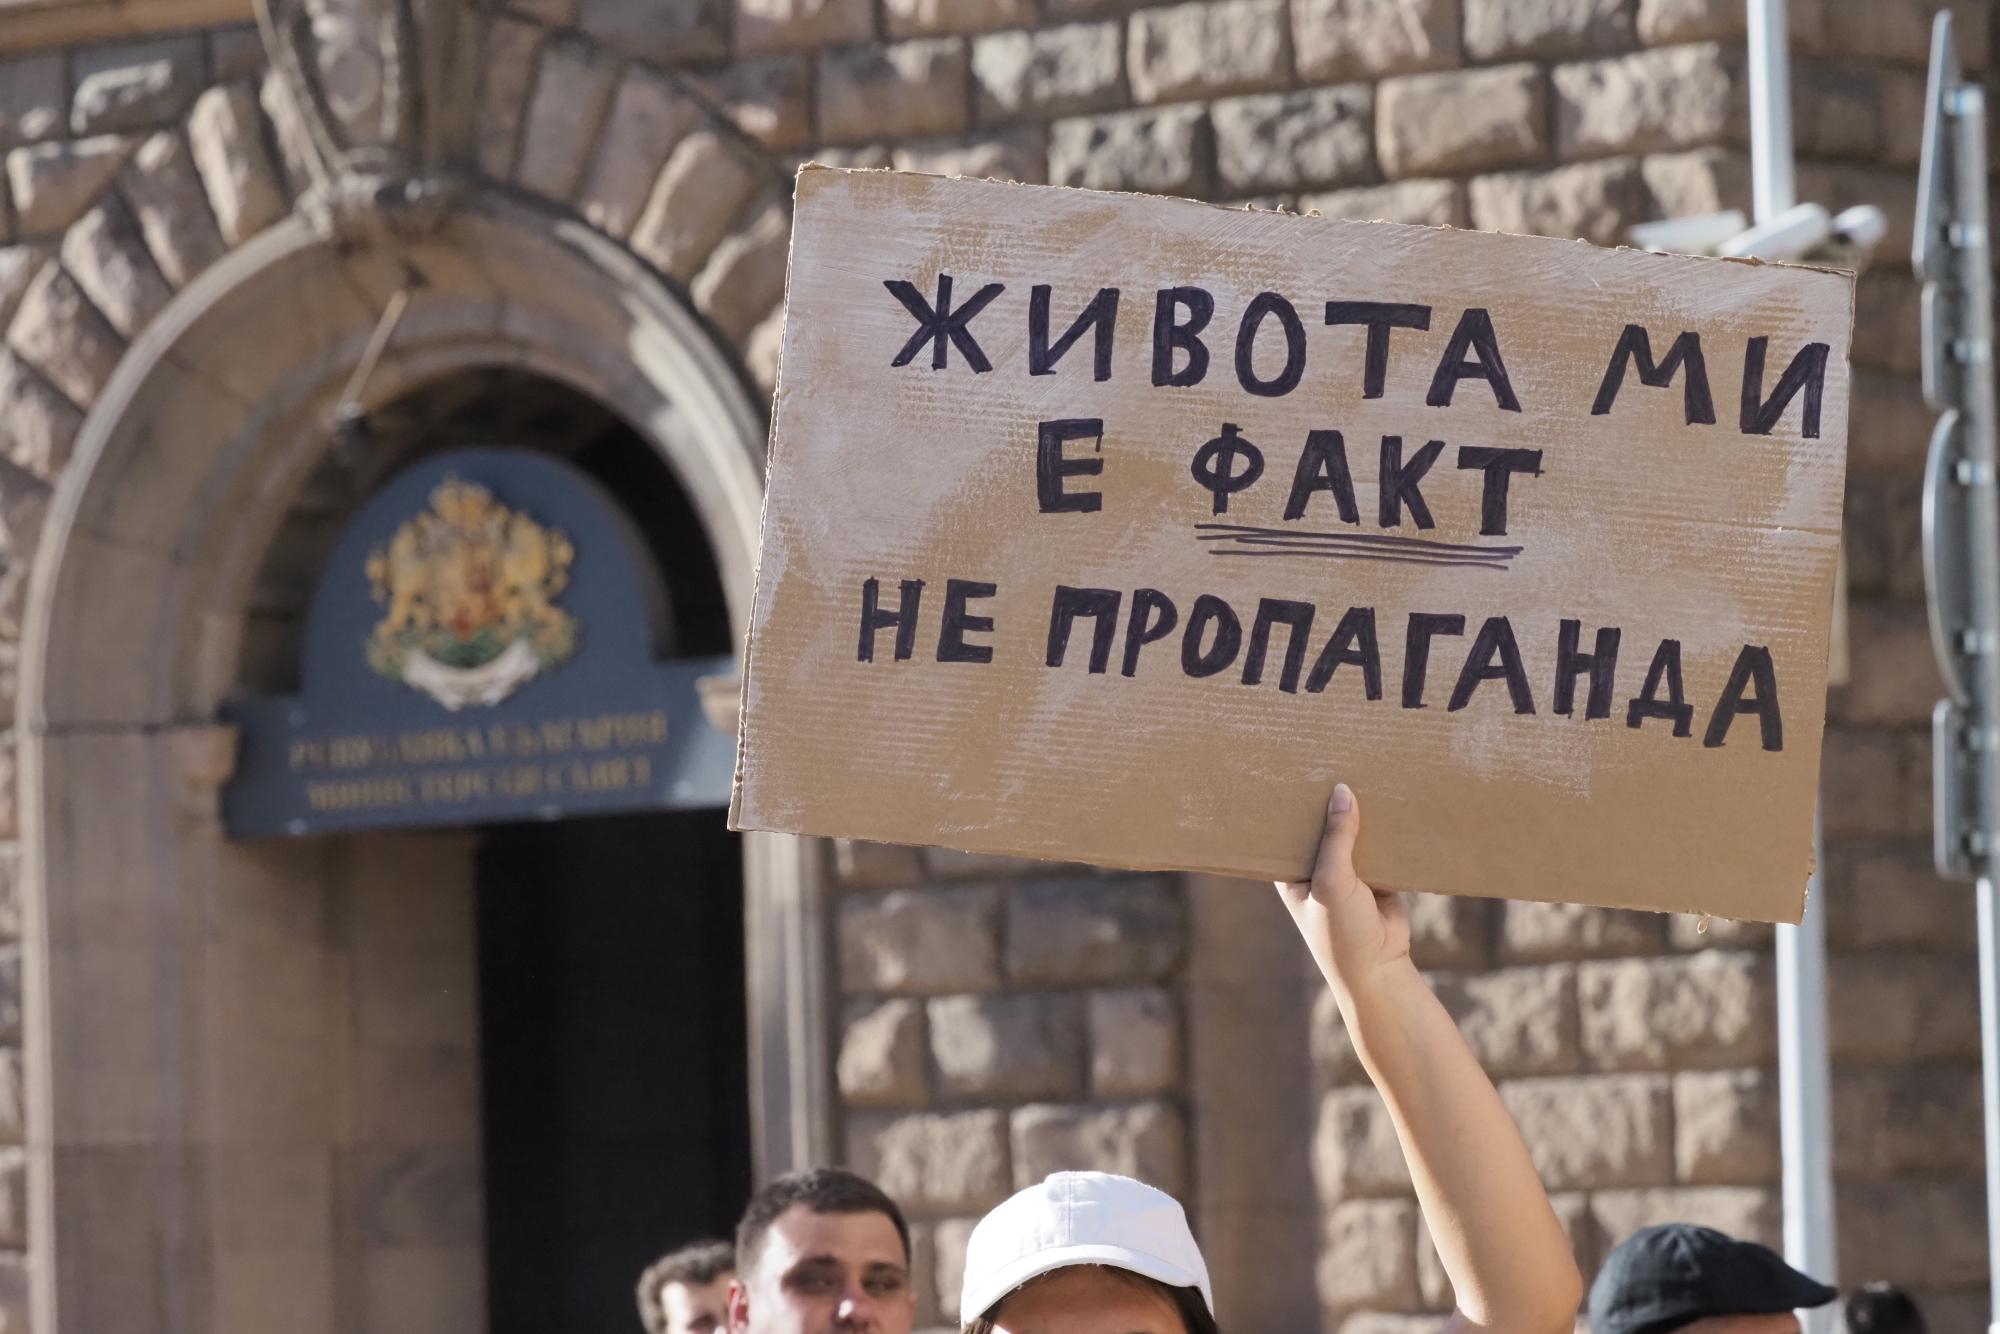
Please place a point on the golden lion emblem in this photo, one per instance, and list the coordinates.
(469, 589)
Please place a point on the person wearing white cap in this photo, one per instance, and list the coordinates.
(1088, 1253)
(1112, 1248)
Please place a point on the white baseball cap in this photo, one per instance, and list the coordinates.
(1080, 1218)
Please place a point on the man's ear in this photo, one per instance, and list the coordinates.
(739, 1307)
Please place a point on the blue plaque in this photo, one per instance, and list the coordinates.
(483, 646)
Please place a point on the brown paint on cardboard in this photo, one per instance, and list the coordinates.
(1714, 538)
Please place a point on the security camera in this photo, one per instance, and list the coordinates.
(1696, 235)
(1861, 227)
(1806, 232)
(1792, 235)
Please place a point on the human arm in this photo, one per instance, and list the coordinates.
(1508, 1260)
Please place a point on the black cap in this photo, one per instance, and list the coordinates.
(1669, 1275)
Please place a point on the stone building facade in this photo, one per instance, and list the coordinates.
(188, 274)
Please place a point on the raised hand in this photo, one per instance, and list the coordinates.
(1353, 931)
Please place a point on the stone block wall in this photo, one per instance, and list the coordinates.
(1568, 117)
(13, 1094)
(1003, 1020)
(1633, 1049)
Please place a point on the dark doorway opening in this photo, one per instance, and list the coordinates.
(613, 1033)
(614, 1056)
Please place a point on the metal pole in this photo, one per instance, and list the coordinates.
(1989, 1048)
(1972, 253)
(1952, 253)
(1805, 1092)
(1772, 187)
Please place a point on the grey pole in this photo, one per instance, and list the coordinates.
(1772, 183)
(1952, 255)
(1973, 250)
(1974, 255)
(1805, 1130)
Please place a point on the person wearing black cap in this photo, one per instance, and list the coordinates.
(1881, 1308)
(1680, 1277)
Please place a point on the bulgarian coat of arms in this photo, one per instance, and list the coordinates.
(468, 589)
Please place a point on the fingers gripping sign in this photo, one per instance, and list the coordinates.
(1352, 929)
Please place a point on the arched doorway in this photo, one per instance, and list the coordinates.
(217, 1027)
(586, 1105)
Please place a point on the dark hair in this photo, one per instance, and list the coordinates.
(822, 1190)
(1881, 1308)
(694, 1264)
(1196, 1318)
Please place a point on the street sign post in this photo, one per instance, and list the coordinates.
(1952, 256)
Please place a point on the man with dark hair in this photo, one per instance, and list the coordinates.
(687, 1291)
(822, 1252)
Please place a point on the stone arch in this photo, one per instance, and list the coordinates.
(192, 451)
(110, 227)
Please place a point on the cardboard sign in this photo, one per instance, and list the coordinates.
(1117, 529)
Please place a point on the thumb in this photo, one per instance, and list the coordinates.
(1333, 869)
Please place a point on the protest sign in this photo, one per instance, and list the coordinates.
(1117, 529)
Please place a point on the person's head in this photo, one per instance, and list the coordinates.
(1086, 1253)
(1679, 1277)
(687, 1291)
(1881, 1308)
(1096, 1299)
(818, 1252)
